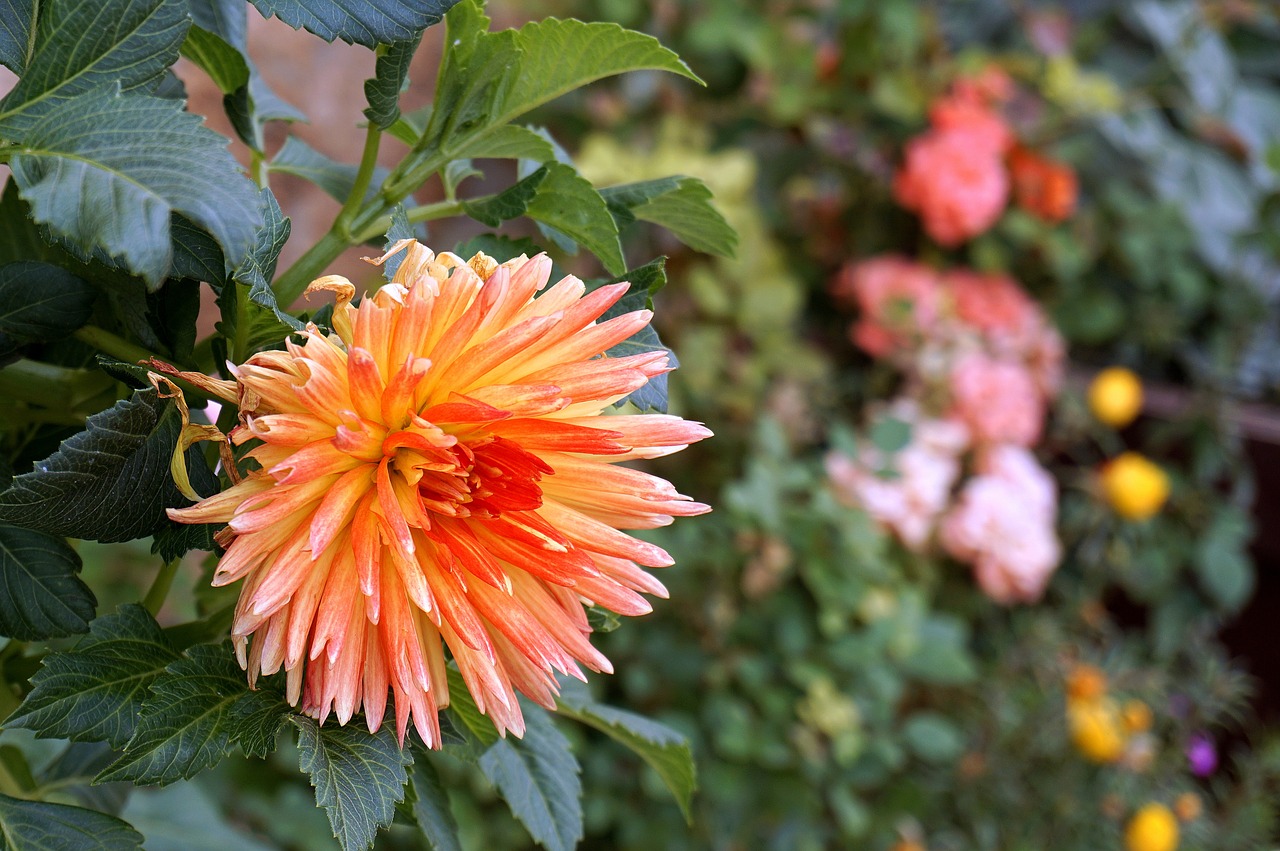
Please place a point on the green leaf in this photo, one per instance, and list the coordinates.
(198, 708)
(17, 21)
(500, 248)
(488, 79)
(463, 707)
(358, 21)
(512, 142)
(559, 56)
(196, 256)
(538, 778)
(456, 172)
(83, 45)
(37, 826)
(110, 482)
(178, 539)
(85, 175)
(431, 808)
(569, 203)
(933, 737)
(335, 178)
(40, 594)
(890, 434)
(94, 691)
(390, 77)
(359, 777)
(665, 750)
(39, 302)
(508, 204)
(1222, 562)
(682, 205)
(251, 316)
(185, 817)
(223, 62)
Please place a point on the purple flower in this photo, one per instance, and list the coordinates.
(1202, 755)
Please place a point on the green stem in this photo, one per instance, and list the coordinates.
(43, 383)
(308, 267)
(108, 343)
(360, 188)
(160, 586)
(258, 168)
(424, 213)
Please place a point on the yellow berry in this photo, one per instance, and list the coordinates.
(1086, 682)
(1137, 716)
(1152, 828)
(1115, 396)
(1096, 729)
(1134, 486)
(1188, 806)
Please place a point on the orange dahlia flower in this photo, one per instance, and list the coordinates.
(441, 473)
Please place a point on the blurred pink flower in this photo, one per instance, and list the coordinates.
(997, 399)
(957, 185)
(1013, 326)
(926, 469)
(1003, 525)
(898, 300)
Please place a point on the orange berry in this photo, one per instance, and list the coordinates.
(1188, 806)
(1135, 487)
(1086, 682)
(1152, 828)
(1137, 716)
(1115, 396)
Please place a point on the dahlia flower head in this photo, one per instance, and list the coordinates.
(441, 473)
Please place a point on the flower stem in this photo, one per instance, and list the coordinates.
(110, 344)
(160, 586)
(360, 188)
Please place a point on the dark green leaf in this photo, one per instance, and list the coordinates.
(500, 248)
(110, 482)
(538, 778)
(431, 808)
(250, 313)
(177, 539)
(94, 692)
(39, 302)
(172, 312)
(83, 45)
(462, 706)
(198, 708)
(224, 63)
(569, 203)
(73, 772)
(335, 178)
(196, 256)
(665, 750)
(508, 204)
(359, 777)
(40, 594)
(390, 76)
(17, 21)
(37, 826)
(358, 21)
(84, 174)
(682, 205)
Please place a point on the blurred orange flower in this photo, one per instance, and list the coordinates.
(1043, 187)
(441, 471)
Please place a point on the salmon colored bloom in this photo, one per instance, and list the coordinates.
(899, 302)
(441, 472)
(957, 185)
